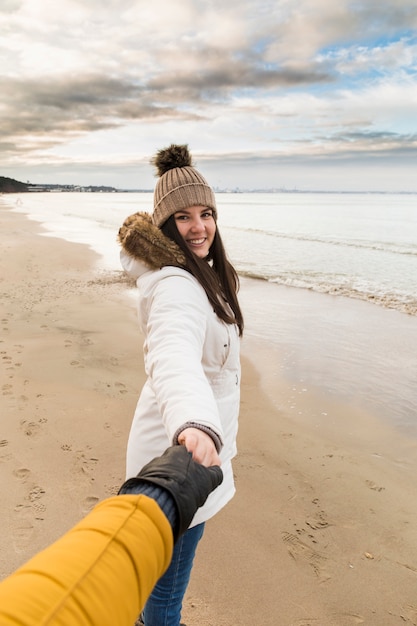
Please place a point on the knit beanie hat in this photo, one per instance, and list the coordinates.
(179, 185)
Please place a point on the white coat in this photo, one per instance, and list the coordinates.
(193, 372)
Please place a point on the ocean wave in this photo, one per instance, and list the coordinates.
(401, 302)
(408, 249)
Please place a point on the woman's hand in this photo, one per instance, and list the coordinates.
(201, 445)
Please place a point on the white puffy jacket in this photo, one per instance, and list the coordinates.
(193, 371)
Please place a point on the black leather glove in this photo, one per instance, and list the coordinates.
(188, 482)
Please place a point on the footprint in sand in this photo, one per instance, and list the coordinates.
(36, 493)
(23, 529)
(31, 429)
(76, 364)
(7, 390)
(373, 486)
(300, 551)
(115, 433)
(112, 490)
(89, 503)
(21, 474)
(86, 465)
(39, 508)
(121, 387)
(319, 520)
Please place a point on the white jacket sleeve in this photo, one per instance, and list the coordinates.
(178, 314)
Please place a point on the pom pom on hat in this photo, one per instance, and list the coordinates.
(179, 185)
(174, 156)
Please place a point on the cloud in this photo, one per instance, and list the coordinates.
(112, 81)
(74, 105)
(363, 61)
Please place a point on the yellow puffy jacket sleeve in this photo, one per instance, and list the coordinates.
(99, 573)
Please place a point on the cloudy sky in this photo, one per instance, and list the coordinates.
(294, 94)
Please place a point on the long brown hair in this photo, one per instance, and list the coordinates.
(219, 279)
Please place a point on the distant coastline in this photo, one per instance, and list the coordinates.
(10, 185)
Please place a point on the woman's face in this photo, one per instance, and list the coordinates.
(197, 227)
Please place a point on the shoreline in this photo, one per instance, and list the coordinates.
(321, 530)
(340, 348)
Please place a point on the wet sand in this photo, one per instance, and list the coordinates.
(322, 530)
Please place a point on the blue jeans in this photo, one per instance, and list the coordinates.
(163, 607)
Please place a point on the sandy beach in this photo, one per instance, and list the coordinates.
(322, 531)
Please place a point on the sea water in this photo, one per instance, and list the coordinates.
(356, 245)
(349, 246)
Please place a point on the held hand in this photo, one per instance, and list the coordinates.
(188, 482)
(201, 445)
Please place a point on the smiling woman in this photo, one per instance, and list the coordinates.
(191, 321)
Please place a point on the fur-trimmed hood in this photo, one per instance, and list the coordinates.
(142, 240)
